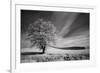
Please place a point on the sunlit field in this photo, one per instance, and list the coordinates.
(53, 54)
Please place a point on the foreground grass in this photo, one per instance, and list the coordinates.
(53, 57)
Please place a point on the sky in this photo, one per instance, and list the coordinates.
(71, 26)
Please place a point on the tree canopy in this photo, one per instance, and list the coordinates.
(41, 32)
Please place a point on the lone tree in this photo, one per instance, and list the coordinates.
(41, 33)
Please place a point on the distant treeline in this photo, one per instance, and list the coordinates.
(63, 48)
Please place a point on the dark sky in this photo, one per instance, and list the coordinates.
(68, 24)
(65, 22)
(29, 16)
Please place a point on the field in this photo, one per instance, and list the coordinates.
(53, 57)
(53, 54)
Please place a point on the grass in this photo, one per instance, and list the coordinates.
(53, 57)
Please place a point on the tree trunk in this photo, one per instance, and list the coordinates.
(43, 50)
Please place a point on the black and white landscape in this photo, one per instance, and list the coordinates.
(54, 36)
